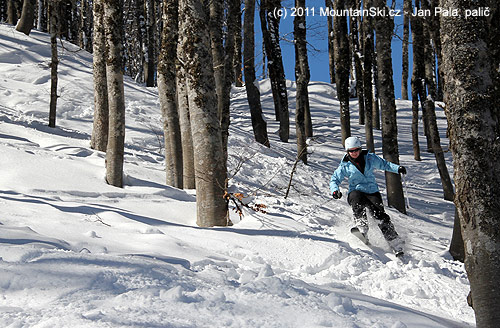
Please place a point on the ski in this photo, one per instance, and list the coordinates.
(355, 231)
(397, 246)
(399, 254)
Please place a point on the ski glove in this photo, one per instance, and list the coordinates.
(337, 194)
(402, 170)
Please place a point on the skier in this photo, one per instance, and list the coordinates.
(358, 165)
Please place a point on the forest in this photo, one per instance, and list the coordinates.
(194, 52)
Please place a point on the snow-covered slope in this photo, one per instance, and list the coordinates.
(76, 252)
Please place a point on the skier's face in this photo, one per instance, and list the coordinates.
(354, 152)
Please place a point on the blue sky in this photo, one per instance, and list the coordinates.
(318, 51)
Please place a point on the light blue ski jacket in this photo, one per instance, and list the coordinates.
(357, 180)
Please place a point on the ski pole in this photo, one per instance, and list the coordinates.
(406, 191)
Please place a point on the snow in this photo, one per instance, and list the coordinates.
(76, 252)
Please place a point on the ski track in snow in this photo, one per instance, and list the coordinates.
(76, 252)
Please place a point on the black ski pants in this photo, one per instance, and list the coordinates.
(361, 201)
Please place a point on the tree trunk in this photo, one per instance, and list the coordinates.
(11, 12)
(167, 93)
(438, 151)
(457, 242)
(430, 111)
(99, 140)
(376, 100)
(211, 208)
(53, 13)
(138, 63)
(238, 42)
(270, 33)
(25, 23)
(3, 11)
(302, 77)
(331, 43)
(258, 123)
(417, 77)
(472, 102)
(434, 28)
(216, 42)
(358, 67)
(367, 30)
(407, 6)
(149, 70)
(384, 28)
(342, 68)
(418, 80)
(414, 120)
(188, 180)
(232, 28)
(113, 27)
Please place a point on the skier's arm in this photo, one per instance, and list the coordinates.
(385, 165)
(336, 179)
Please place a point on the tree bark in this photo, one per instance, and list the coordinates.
(417, 77)
(472, 102)
(238, 43)
(376, 100)
(342, 68)
(457, 242)
(384, 28)
(216, 42)
(99, 140)
(368, 51)
(137, 62)
(253, 93)
(358, 67)
(331, 43)
(188, 180)
(429, 110)
(11, 12)
(167, 93)
(270, 33)
(149, 60)
(407, 6)
(302, 76)
(25, 23)
(211, 208)
(233, 27)
(113, 26)
(54, 62)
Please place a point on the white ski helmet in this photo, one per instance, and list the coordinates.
(352, 142)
